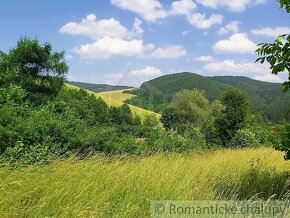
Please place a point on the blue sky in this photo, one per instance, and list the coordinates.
(128, 42)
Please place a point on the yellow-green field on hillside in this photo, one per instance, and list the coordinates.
(124, 187)
(117, 95)
(116, 98)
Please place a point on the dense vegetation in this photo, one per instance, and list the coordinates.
(41, 119)
(98, 87)
(266, 99)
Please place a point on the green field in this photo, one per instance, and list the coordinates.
(117, 95)
(116, 98)
(124, 186)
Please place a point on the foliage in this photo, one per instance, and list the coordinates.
(284, 4)
(197, 136)
(150, 121)
(233, 117)
(285, 141)
(12, 95)
(35, 68)
(188, 109)
(245, 138)
(277, 54)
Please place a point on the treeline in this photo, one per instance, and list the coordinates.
(220, 123)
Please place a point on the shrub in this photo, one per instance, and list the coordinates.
(244, 138)
(261, 134)
(150, 120)
(196, 136)
(285, 141)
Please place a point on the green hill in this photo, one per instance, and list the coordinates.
(265, 98)
(98, 87)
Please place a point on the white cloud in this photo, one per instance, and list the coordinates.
(271, 32)
(149, 10)
(145, 72)
(107, 47)
(232, 5)
(137, 29)
(231, 68)
(69, 57)
(200, 21)
(96, 29)
(269, 78)
(205, 58)
(186, 32)
(183, 7)
(237, 43)
(174, 51)
(230, 27)
(113, 78)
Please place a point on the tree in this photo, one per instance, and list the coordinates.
(121, 115)
(36, 68)
(233, 117)
(277, 54)
(189, 108)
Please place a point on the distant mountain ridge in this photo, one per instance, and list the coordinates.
(98, 87)
(265, 98)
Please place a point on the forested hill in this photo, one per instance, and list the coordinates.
(98, 87)
(266, 98)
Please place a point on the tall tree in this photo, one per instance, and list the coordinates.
(233, 116)
(277, 54)
(36, 68)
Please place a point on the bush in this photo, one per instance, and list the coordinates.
(196, 136)
(285, 141)
(244, 138)
(261, 134)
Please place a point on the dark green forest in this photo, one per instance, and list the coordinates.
(266, 99)
(98, 87)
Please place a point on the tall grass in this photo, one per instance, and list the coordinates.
(123, 187)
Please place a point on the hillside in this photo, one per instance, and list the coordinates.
(98, 87)
(266, 98)
(112, 101)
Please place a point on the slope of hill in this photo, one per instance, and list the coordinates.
(265, 98)
(115, 102)
(117, 95)
(98, 87)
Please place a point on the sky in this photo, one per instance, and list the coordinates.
(127, 42)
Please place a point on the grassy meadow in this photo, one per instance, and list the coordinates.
(124, 186)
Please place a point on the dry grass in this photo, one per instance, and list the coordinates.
(123, 187)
